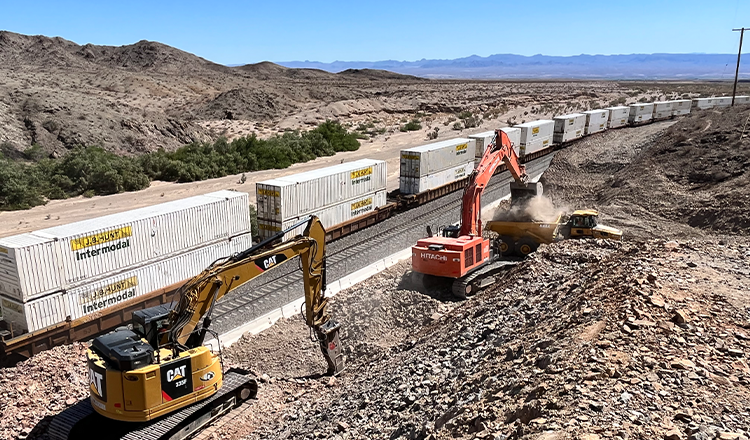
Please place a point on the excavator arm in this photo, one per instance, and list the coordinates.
(191, 317)
(498, 151)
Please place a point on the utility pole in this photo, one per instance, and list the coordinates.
(739, 54)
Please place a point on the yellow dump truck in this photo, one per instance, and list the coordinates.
(521, 238)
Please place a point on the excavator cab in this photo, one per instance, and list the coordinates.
(451, 231)
(152, 324)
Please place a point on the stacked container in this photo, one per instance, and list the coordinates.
(39, 271)
(433, 165)
(662, 110)
(536, 136)
(484, 139)
(596, 120)
(618, 116)
(569, 127)
(640, 113)
(324, 192)
(681, 107)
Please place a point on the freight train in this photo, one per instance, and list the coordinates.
(72, 282)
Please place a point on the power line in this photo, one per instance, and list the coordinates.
(739, 55)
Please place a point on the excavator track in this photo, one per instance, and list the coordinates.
(81, 421)
(470, 284)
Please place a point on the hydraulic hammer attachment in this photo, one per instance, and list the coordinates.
(520, 194)
(330, 344)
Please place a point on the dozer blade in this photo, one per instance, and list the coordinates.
(521, 193)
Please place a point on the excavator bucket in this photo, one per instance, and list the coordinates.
(522, 193)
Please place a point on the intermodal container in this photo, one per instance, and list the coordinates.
(66, 256)
(741, 100)
(35, 314)
(481, 140)
(618, 116)
(514, 136)
(569, 127)
(723, 101)
(535, 136)
(596, 120)
(703, 103)
(28, 267)
(681, 107)
(304, 193)
(416, 185)
(640, 113)
(431, 158)
(662, 110)
(92, 298)
(329, 216)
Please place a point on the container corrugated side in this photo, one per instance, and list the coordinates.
(328, 186)
(35, 314)
(514, 136)
(95, 297)
(536, 135)
(276, 199)
(723, 101)
(618, 116)
(98, 247)
(238, 214)
(742, 100)
(662, 109)
(596, 120)
(640, 112)
(481, 140)
(28, 267)
(681, 107)
(330, 216)
(416, 185)
(569, 127)
(431, 158)
(703, 103)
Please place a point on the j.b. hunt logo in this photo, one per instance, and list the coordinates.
(108, 295)
(120, 235)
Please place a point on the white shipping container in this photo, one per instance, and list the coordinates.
(535, 136)
(35, 314)
(596, 120)
(416, 185)
(330, 216)
(104, 245)
(313, 190)
(431, 158)
(93, 298)
(618, 116)
(723, 101)
(28, 267)
(741, 100)
(662, 110)
(481, 141)
(681, 107)
(569, 127)
(640, 113)
(703, 103)
(514, 135)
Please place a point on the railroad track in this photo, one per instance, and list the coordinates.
(353, 252)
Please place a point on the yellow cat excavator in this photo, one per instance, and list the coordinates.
(159, 381)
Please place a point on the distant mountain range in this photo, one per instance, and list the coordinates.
(500, 66)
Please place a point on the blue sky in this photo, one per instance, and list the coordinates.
(243, 32)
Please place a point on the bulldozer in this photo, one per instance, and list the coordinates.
(157, 380)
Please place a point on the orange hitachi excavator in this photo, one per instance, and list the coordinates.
(460, 252)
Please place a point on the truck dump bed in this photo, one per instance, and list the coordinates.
(541, 232)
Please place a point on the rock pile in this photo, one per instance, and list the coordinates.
(586, 339)
(35, 390)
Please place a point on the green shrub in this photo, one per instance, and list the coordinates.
(412, 125)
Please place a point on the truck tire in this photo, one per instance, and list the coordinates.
(525, 246)
(507, 245)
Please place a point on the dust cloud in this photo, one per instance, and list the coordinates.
(539, 208)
